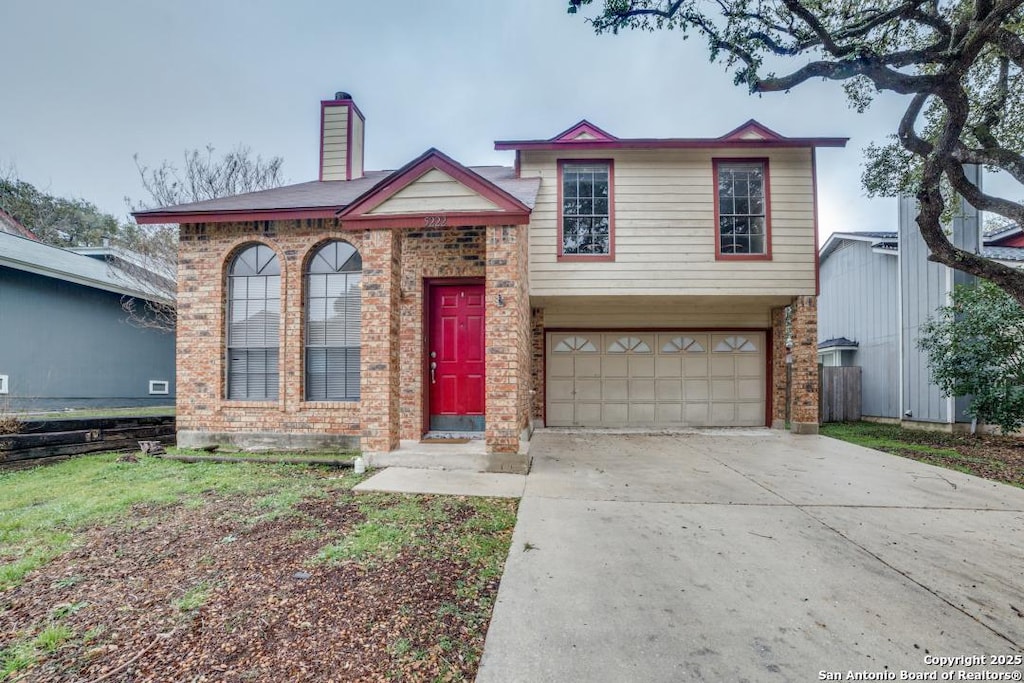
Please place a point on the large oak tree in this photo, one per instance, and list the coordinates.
(959, 64)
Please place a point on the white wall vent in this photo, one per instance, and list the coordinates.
(159, 386)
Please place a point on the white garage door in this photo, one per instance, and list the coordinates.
(664, 379)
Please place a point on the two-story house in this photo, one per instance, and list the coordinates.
(598, 282)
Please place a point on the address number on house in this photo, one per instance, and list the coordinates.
(435, 221)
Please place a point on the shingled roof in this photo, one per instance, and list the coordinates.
(32, 256)
(321, 198)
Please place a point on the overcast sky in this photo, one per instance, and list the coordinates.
(89, 84)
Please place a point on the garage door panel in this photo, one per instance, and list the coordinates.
(641, 390)
(641, 413)
(588, 389)
(668, 366)
(723, 389)
(696, 390)
(615, 366)
(696, 414)
(588, 366)
(750, 414)
(749, 365)
(723, 413)
(616, 390)
(669, 413)
(588, 414)
(723, 366)
(561, 413)
(667, 379)
(561, 366)
(748, 389)
(641, 366)
(616, 414)
(560, 389)
(695, 366)
(668, 389)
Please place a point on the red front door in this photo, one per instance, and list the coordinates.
(455, 357)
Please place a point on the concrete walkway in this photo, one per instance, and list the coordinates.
(751, 555)
(444, 482)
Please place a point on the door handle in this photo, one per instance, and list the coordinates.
(433, 368)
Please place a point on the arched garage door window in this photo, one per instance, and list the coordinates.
(333, 323)
(254, 316)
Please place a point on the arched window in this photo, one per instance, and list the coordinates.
(254, 316)
(333, 323)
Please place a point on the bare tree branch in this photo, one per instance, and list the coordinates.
(153, 266)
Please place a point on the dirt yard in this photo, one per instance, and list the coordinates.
(333, 587)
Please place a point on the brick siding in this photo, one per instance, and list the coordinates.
(205, 251)
(804, 392)
(538, 370)
(779, 369)
(396, 264)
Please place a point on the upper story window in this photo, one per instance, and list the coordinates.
(254, 317)
(586, 218)
(333, 323)
(742, 208)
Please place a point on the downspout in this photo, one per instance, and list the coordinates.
(901, 408)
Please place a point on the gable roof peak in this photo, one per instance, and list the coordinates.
(584, 131)
(752, 130)
(432, 159)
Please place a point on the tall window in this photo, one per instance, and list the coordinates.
(254, 315)
(586, 209)
(742, 208)
(333, 323)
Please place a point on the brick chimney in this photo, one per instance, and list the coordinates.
(342, 131)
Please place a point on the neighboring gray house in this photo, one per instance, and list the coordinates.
(64, 338)
(877, 289)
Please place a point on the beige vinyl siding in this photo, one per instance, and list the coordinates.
(664, 228)
(657, 312)
(434, 192)
(335, 143)
(358, 141)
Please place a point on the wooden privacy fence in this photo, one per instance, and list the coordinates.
(839, 394)
(43, 441)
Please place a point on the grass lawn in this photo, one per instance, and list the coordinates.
(240, 572)
(1000, 458)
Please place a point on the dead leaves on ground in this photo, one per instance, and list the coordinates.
(204, 594)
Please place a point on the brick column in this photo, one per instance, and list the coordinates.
(804, 417)
(380, 368)
(537, 365)
(779, 379)
(508, 339)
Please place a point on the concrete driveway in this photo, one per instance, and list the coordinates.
(752, 555)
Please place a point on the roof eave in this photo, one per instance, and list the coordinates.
(677, 143)
(236, 215)
(81, 280)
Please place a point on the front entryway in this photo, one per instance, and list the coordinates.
(456, 357)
